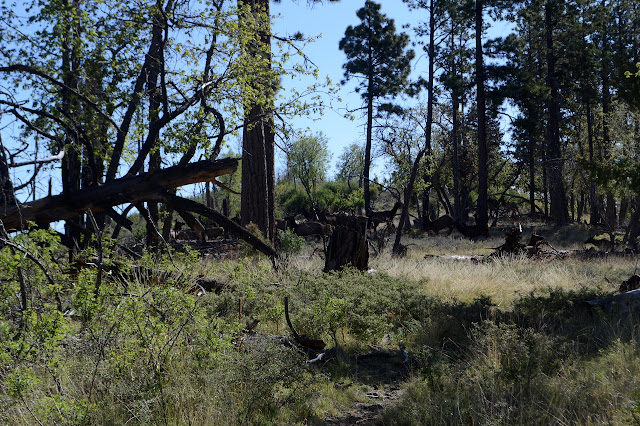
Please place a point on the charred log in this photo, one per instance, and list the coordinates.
(348, 246)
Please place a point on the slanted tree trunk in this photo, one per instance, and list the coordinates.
(126, 190)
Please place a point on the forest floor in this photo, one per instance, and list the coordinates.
(450, 333)
(383, 377)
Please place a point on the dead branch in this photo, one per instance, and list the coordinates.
(195, 207)
(49, 159)
(303, 340)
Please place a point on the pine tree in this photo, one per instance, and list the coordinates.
(376, 56)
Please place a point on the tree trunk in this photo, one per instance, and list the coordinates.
(455, 144)
(397, 247)
(127, 190)
(555, 163)
(367, 155)
(257, 181)
(7, 197)
(482, 218)
(594, 199)
(257, 201)
(155, 95)
(348, 246)
(71, 163)
(612, 221)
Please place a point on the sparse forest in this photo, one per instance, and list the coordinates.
(153, 272)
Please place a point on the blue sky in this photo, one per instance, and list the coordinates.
(329, 21)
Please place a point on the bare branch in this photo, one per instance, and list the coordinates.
(51, 159)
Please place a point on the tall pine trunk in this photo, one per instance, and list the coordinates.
(155, 104)
(482, 218)
(555, 162)
(367, 155)
(257, 201)
(594, 198)
(606, 106)
(71, 162)
(455, 142)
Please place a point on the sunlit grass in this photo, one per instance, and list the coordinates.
(504, 340)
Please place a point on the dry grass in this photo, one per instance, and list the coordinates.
(505, 279)
(448, 271)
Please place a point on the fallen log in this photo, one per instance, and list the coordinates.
(145, 187)
(617, 304)
(127, 190)
(623, 303)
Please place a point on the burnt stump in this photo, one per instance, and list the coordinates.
(348, 245)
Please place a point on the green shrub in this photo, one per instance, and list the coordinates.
(289, 243)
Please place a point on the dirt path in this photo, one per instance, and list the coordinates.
(368, 413)
(383, 372)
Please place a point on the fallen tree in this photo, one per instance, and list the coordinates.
(127, 190)
(114, 117)
(145, 187)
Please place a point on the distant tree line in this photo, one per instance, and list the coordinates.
(563, 80)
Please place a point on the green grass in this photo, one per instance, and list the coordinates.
(501, 341)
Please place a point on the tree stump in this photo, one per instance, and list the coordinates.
(348, 245)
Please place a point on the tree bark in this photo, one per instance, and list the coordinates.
(257, 201)
(367, 154)
(611, 215)
(455, 144)
(71, 162)
(557, 193)
(482, 218)
(348, 246)
(7, 197)
(397, 247)
(134, 189)
(594, 198)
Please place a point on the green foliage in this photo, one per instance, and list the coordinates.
(623, 172)
(351, 164)
(307, 162)
(289, 243)
(629, 74)
(334, 196)
(308, 159)
(144, 349)
(386, 72)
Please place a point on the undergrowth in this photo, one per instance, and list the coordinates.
(508, 341)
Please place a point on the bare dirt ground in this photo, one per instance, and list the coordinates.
(382, 372)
